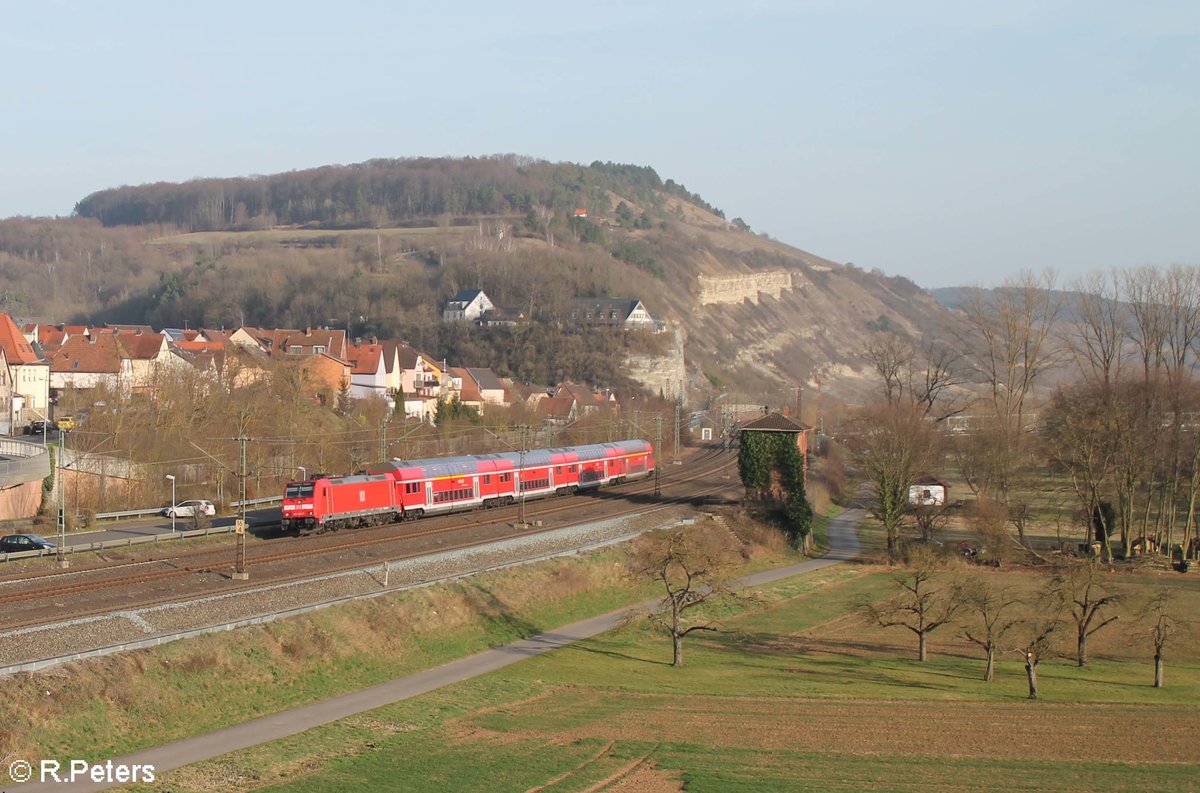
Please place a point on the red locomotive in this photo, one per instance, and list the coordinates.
(406, 489)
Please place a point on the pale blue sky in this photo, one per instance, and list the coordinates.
(950, 142)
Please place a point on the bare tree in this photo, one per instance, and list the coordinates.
(1035, 642)
(935, 387)
(1012, 327)
(1160, 627)
(924, 603)
(893, 444)
(929, 518)
(1097, 329)
(891, 357)
(925, 379)
(1011, 331)
(695, 568)
(1077, 439)
(1086, 599)
(992, 606)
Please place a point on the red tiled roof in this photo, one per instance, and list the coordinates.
(366, 358)
(558, 407)
(101, 354)
(200, 346)
(141, 345)
(16, 348)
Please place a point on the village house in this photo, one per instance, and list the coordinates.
(626, 313)
(780, 422)
(6, 397)
(51, 337)
(371, 372)
(928, 491)
(491, 390)
(421, 380)
(586, 400)
(323, 377)
(468, 304)
(150, 355)
(92, 361)
(28, 375)
(279, 342)
(461, 386)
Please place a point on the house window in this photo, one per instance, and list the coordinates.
(318, 349)
(614, 315)
(296, 348)
(588, 315)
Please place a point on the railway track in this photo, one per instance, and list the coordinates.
(193, 562)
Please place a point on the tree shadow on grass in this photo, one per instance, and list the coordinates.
(491, 607)
(589, 647)
(839, 660)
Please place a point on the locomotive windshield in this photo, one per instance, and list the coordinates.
(299, 490)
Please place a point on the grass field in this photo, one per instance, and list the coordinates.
(798, 695)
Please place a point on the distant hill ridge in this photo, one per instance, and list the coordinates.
(379, 247)
(381, 192)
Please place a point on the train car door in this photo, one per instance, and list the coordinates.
(429, 494)
(475, 485)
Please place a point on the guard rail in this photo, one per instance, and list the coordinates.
(136, 513)
(127, 542)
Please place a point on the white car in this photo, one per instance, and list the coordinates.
(187, 509)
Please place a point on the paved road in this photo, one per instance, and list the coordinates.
(148, 527)
(844, 545)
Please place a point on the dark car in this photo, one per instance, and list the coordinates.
(14, 543)
(38, 427)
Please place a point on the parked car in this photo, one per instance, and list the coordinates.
(38, 427)
(187, 509)
(14, 543)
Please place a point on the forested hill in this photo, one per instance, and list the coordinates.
(379, 247)
(381, 193)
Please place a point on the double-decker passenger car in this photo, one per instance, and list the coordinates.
(445, 484)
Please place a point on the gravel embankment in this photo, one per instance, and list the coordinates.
(121, 627)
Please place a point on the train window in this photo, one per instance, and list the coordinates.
(558, 469)
(505, 477)
(574, 469)
(487, 479)
(299, 490)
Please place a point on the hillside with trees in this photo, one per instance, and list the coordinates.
(378, 248)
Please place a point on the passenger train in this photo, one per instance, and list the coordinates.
(407, 489)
